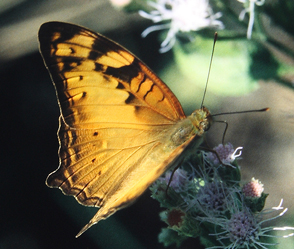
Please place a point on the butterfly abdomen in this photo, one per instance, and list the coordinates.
(183, 132)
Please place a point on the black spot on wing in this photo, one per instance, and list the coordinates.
(125, 73)
(120, 86)
(138, 108)
(99, 67)
(69, 63)
(130, 99)
(99, 48)
(94, 55)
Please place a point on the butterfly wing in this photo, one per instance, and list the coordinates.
(116, 119)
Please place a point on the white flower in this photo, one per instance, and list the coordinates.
(120, 3)
(181, 16)
(250, 4)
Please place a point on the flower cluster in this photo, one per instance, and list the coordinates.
(185, 16)
(180, 16)
(205, 198)
(225, 153)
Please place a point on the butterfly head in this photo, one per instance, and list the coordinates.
(201, 119)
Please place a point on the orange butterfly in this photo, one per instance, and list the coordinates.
(120, 125)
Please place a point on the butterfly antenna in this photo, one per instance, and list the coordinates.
(210, 63)
(239, 112)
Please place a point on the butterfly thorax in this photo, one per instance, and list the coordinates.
(195, 124)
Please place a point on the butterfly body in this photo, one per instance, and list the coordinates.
(120, 126)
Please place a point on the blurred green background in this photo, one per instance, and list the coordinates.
(245, 75)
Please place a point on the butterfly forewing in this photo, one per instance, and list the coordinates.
(87, 69)
(117, 119)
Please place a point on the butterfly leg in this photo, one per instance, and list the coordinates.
(217, 155)
(171, 176)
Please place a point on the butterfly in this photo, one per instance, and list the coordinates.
(120, 126)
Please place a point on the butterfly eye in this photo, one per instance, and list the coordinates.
(205, 124)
